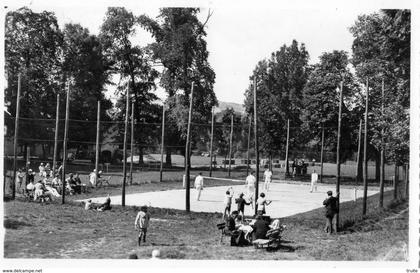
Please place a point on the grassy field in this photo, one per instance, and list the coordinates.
(39, 230)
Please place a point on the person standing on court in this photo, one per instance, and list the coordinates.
(314, 180)
(250, 186)
(199, 185)
(268, 174)
(261, 203)
(330, 210)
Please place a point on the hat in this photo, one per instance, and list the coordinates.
(329, 192)
(30, 170)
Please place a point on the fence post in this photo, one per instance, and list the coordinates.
(15, 143)
(257, 153)
(365, 159)
(66, 129)
(98, 128)
(230, 142)
(187, 154)
(211, 141)
(57, 116)
(132, 143)
(322, 153)
(337, 222)
(127, 111)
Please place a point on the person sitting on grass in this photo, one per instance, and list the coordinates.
(142, 223)
(89, 205)
(227, 202)
(241, 204)
(52, 190)
(106, 205)
(261, 203)
(41, 193)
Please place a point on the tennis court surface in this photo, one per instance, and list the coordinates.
(287, 199)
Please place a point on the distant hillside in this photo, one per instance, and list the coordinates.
(237, 107)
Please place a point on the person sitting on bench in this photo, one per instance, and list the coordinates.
(260, 228)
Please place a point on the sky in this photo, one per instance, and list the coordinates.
(238, 36)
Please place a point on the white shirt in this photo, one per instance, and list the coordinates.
(314, 177)
(268, 174)
(92, 178)
(199, 181)
(250, 180)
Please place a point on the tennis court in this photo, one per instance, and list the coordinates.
(287, 199)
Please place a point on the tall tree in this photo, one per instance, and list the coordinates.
(181, 48)
(321, 102)
(85, 64)
(381, 50)
(132, 63)
(280, 83)
(33, 47)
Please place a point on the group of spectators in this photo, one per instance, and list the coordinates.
(48, 185)
(299, 167)
(245, 232)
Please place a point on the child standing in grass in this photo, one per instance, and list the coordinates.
(141, 223)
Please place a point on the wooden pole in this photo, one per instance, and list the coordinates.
(230, 142)
(57, 116)
(98, 129)
(211, 141)
(132, 143)
(187, 154)
(382, 174)
(406, 173)
(287, 149)
(337, 222)
(249, 141)
(322, 153)
(396, 179)
(359, 151)
(15, 142)
(66, 130)
(257, 153)
(127, 113)
(365, 159)
(162, 145)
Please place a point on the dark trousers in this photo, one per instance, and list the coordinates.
(329, 227)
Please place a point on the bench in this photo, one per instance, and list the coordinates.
(103, 180)
(274, 237)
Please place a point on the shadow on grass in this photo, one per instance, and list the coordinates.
(14, 224)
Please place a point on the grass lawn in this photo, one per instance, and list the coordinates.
(39, 230)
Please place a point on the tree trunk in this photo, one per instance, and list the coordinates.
(396, 178)
(43, 151)
(360, 168)
(377, 166)
(141, 161)
(168, 157)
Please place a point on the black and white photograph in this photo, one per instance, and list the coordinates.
(210, 135)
